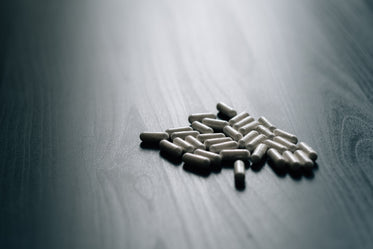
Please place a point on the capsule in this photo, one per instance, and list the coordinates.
(204, 137)
(243, 122)
(276, 157)
(239, 172)
(212, 141)
(200, 116)
(226, 110)
(187, 147)
(292, 138)
(259, 153)
(235, 154)
(291, 160)
(223, 146)
(202, 128)
(311, 153)
(272, 144)
(195, 142)
(289, 145)
(184, 134)
(238, 118)
(265, 131)
(153, 137)
(264, 121)
(172, 130)
(251, 145)
(215, 124)
(248, 127)
(303, 158)
(247, 138)
(230, 132)
(196, 160)
(170, 148)
(215, 159)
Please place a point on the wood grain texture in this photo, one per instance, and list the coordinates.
(79, 80)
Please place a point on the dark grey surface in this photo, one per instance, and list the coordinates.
(79, 80)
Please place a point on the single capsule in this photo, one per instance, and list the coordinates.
(238, 118)
(235, 154)
(195, 142)
(223, 146)
(219, 140)
(230, 132)
(204, 137)
(215, 159)
(259, 153)
(170, 148)
(276, 157)
(215, 124)
(291, 160)
(196, 160)
(303, 158)
(248, 127)
(264, 121)
(239, 172)
(153, 137)
(265, 131)
(226, 110)
(243, 122)
(292, 138)
(202, 128)
(272, 144)
(187, 147)
(311, 153)
(289, 145)
(200, 116)
(184, 134)
(251, 145)
(172, 130)
(247, 138)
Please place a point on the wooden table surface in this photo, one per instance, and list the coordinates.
(79, 80)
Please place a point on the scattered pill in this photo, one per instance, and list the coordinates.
(226, 110)
(196, 160)
(170, 148)
(264, 121)
(259, 153)
(219, 140)
(311, 153)
(276, 157)
(223, 146)
(204, 137)
(239, 172)
(238, 118)
(215, 159)
(291, 160)
(153, 137)
(251, 145)
(247, 138)
(243, 122)
(215, 124)
(195, 142)
(248, 127)
(202, 128)
(187, 147)
(265, 131)
(184, 134)
(200, 116)
(306, 162)
(231, 132)
(292, 138)
(172, 130)
(235, 154)
(272, 144)
(289, 145)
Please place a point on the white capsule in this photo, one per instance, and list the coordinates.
(291, 160)
(251, 145)
(243, 122)
(292, 138)
(247, 138)
(235, 154)
(153, 137)
(306, 162)
(226, 110)
(187, 147)
(202, 128)
(204, 137)
(184, 134)
(230, 132)
(223, 146)
(289, 145)
(265, 131)
(170, 148)
(239, 172)
(276, 157)
(196, 160)
(248, 127)
(219, 140)
(200, 116)
(215, 124)
(172, 130)
(215, 159)
(264, 121)
(311, 153)
(238, 118)
(195, 142)
(272, 144)
(259, 153)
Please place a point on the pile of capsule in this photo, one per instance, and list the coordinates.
(208, 141)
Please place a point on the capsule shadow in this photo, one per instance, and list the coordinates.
(216, 168)
(279, 171)
(174, 160)
(223, 116)
(240, 185)
(256, 167)
(308, 173)
(295, 174)
(149, 146)
(196, 170)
